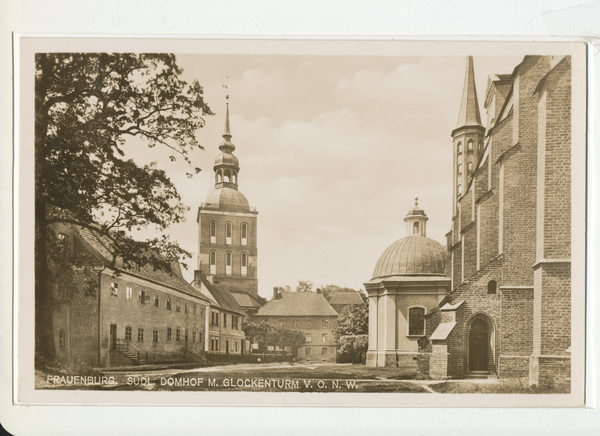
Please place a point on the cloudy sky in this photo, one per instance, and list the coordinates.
(333, 150)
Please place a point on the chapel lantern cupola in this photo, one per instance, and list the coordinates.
(227, 165)
(416, 221)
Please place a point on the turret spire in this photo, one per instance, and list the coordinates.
(469, 106)
(227, 145)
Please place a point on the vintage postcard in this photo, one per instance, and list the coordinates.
(268, 222)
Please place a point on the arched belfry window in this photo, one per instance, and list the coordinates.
(227, 176)
(234, 177)
(244, 234)
(213, 262)
(228, 232)
(244, 264)
(459, 147)
(228, 263)
(219, 176)
(213, 232)
(470, 166)
(459, 189)
(492, 286)
(416, 228)
(459, 168)
(416, 321)
(480, 146)
(470, 145)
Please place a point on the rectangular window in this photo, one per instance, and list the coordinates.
(178, 306)
(154, 335)
(129, 293)
(114, 288)
(416, 321)
(296, 323)
(224, 320)
(325, 337)
(155, 300)
(282, 323)
(213, 232)
(187, 308)
(168, 304)
(324, 323)
(62, 294)
(307, 351)
(323, 352)
(236, 345)
(169, 333)
(195, 310)
(178, 334)
(308, 337)
(128, 333)
(140, 335)
(144, 297)
(194, 336)
(309, 323)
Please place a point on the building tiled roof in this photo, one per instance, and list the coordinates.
(245, 299)
(346, 297)
(225, 300)
(101, 246)
(298, 304)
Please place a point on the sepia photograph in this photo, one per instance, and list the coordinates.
(282, 222)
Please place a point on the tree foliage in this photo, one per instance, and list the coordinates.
(354, 320)
(356, 344)
(86, 106)
(265, 335)
(304, 286)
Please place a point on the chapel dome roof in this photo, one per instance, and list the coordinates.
(413, 255)
(227, 198)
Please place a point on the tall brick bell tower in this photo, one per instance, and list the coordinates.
(467, 137)
(227, 236)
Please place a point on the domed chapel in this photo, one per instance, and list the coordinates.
(409, 280)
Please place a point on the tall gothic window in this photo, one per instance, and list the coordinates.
(228, 263)
(459, 168)
(244, 264)
(228, 232)
(244, 234)
(470, 145)
(459, 147)
(213, 232)
(213, 262)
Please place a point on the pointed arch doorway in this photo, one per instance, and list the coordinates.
(479, 347)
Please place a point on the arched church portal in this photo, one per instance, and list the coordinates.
(480, 346)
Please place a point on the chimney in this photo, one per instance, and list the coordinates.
(318, 290)
(196, 283)
(210, 278)
(275, 293)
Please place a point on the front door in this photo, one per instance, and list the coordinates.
(478, 346)
(113, 337)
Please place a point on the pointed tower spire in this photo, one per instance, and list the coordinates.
(227, 145)
(469, 106)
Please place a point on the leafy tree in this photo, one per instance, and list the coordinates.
(86, 105)
(304, 286)
(354, 344)
(351, 330)
(285, 288)
(265, 335)
(354, 320)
